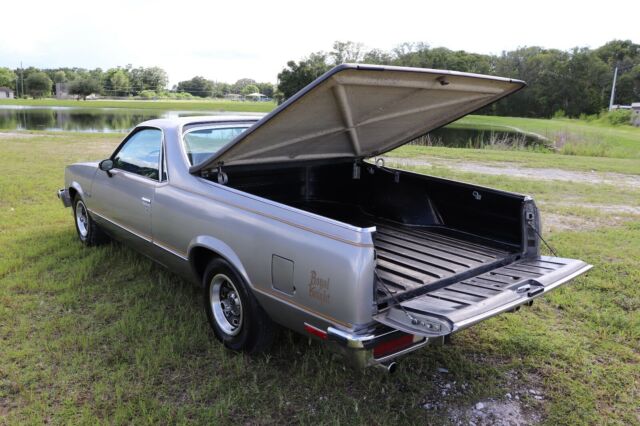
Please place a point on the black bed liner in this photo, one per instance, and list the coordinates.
(413, 260)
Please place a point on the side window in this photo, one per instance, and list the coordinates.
(141, 154)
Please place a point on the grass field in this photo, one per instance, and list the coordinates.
(104, 336)
(160, 105)
(571, 137)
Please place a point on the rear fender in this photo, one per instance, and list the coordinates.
(220, 249)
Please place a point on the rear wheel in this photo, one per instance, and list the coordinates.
(89, 232)
(237, 319)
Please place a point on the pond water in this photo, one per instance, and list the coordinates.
(478, 138)
(95, 120)
(106, 120)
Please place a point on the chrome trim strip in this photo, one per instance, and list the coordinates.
(138, 234)
(173, 251)
(500, 309)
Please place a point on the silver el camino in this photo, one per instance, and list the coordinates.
(285, 219)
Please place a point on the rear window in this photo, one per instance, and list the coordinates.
(203, 142)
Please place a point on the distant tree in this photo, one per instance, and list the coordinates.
(136, 80)
(298, 74)
(38, 84)
(628, 87)
(59, 76)
(239, 85)
(219, 89)
(266, 89)
(617, 52)
(346, 52)
(119, 83)
(155, 78)
(378, 57)
(250, 88)
(84, 86)
(7, 78)
(197, 86)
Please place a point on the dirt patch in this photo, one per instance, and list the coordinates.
(616, 214)
(553, 222)
(514, 170)
(520, 406)
(489, 412)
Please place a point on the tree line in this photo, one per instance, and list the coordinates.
(200, 86)
(571, 83)
(119, 81)
(145, 82)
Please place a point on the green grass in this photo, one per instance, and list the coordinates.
(521, 158)
(572, 137)
(162, 105)
(104, 336)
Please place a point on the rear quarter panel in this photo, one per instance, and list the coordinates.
(332, 264)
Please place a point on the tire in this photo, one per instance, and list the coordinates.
(88, 231)
(238, 321)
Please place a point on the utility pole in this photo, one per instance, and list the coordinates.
(613, 88)
(22, 79)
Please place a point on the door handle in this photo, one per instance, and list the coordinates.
(146, 200)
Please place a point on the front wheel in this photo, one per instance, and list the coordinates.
(88, 231)
(237, 319)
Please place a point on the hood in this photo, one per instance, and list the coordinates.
(360, 111)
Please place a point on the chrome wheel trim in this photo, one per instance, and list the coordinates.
(82, 219)
(226, 304)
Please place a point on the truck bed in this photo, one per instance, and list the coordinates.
(412, 260)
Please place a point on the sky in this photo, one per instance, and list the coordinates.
(225, 41)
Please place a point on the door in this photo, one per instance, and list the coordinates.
(123, 197)
(462, 304)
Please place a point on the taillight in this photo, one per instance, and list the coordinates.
(392, 346)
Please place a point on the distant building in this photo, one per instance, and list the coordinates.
(258, 97)
(233, 97)
(6, 93)
(635, 119)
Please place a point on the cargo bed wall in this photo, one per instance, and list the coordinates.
(479, 215)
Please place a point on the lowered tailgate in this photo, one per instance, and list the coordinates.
(464, 303)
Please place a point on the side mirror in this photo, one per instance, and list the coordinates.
(106, 166)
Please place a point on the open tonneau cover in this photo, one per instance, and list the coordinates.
(360, 111)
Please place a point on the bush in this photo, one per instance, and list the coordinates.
(619, 116)
(183, 95)
(589, 117)
(560, 114)
(147, 94)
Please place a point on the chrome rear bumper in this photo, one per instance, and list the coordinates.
(63, 195)
(357, 349)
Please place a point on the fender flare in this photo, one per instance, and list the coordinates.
(222, 250)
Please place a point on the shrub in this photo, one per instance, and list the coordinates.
(619, 116)
(560, 114)
(147, 94)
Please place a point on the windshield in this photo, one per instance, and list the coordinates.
(203, 142)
